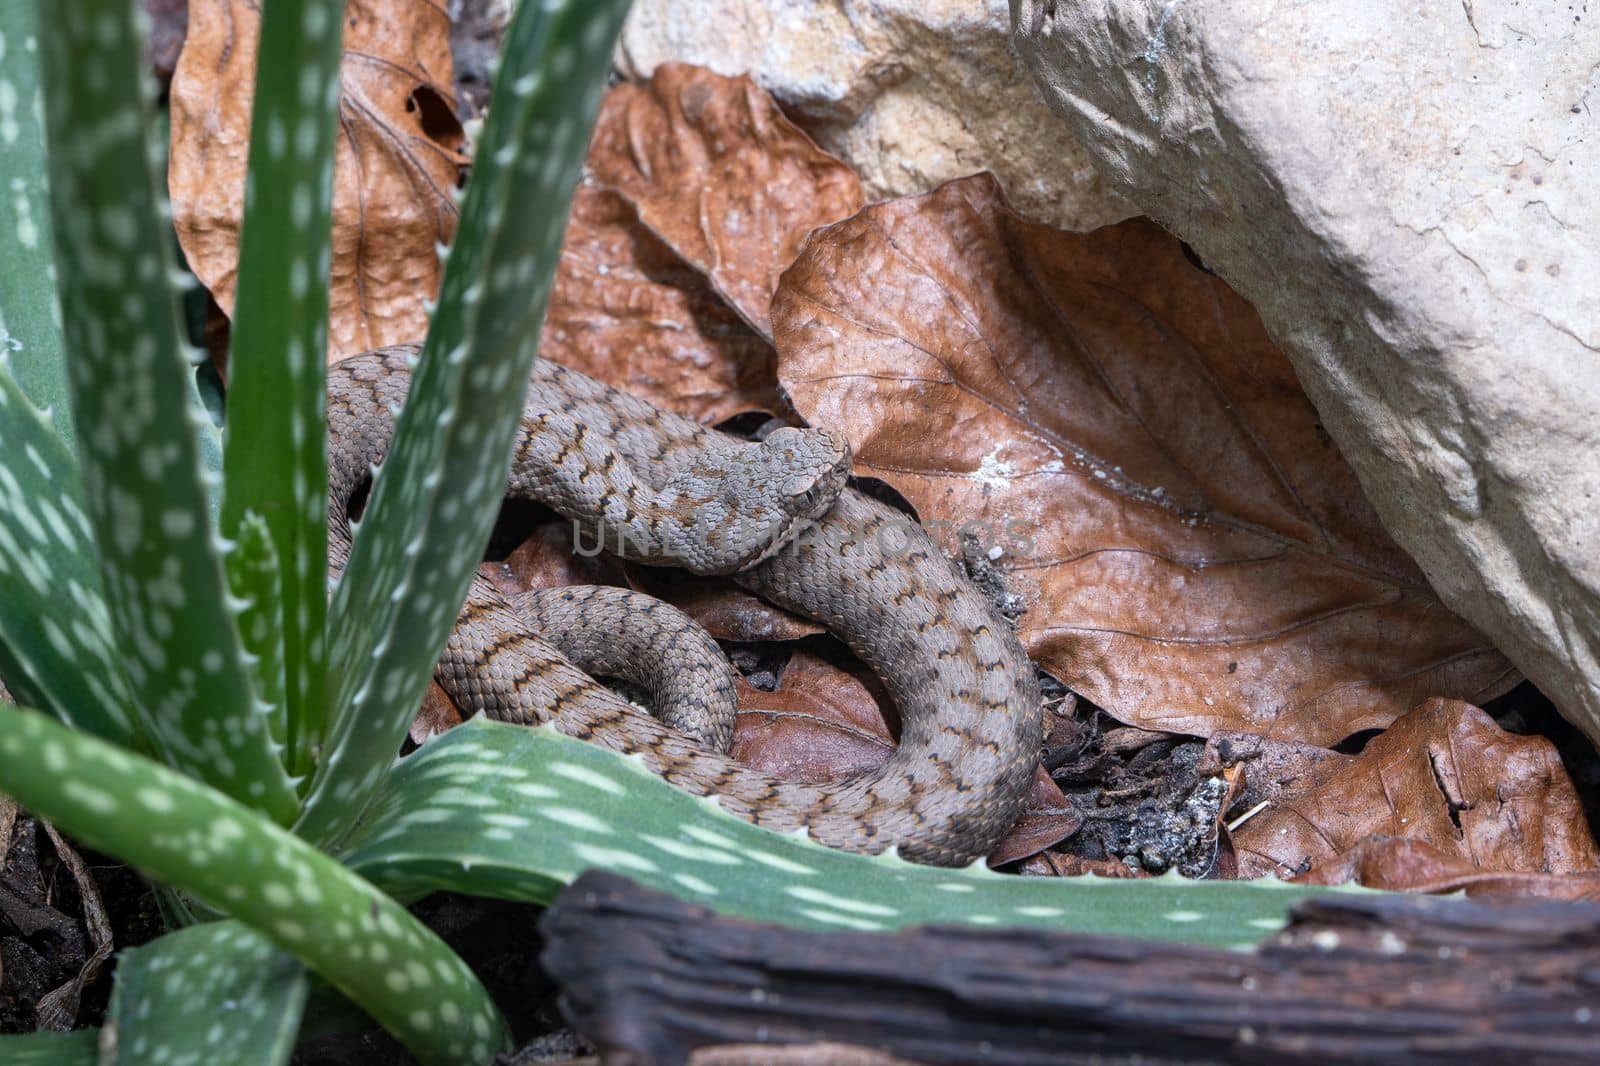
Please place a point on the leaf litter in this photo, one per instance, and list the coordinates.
(399, 159)
(1101, 429)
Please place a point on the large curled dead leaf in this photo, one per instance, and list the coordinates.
(399, 157)
(698, 194)
(1458, 795)
(1118, 430)
(717, 172)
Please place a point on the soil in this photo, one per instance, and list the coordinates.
(44, 938)
(1142, 802)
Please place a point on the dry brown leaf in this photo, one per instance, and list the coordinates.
(698, 194)
(626, 310)
(1059, 864)
(549, 558)
(399, 157)
(1444, 776)
(718, 173)
(438, 714)
(1403, 865)
(822, 724)
(1046, 820)
(1139, 458)
(1273, 769)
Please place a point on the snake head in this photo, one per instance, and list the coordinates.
(814, 465)
(747, 504)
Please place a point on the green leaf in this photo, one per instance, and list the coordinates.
(77, 1048)
(181, 832)
(256, 581)
(30, 313)
(133, 400)
(56, 648)
(275, 459)
(30, 317)
(212, 993)
(515, 813)
(435, 502)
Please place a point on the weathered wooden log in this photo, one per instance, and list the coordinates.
(649, 979)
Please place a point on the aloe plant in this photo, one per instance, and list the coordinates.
(186, 649)
(30, 318)
(207, 714)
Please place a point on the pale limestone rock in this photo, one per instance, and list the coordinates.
(911, 93)
(1407, 193)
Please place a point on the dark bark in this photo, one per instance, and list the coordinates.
(1353, 979)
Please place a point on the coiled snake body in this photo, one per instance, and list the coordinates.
(681, 494)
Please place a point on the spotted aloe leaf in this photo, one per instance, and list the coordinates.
(515, 813)
(56, 645)
(31, 338)
(30, 318)
(257, 583)
(211, 993)
(275, 455)
(434, 504)
(131, 384)
(194, 838)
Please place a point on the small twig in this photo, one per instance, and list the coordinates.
(1247, 815)
(58, 1008)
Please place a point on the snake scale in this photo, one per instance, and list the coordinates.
(777, 516)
